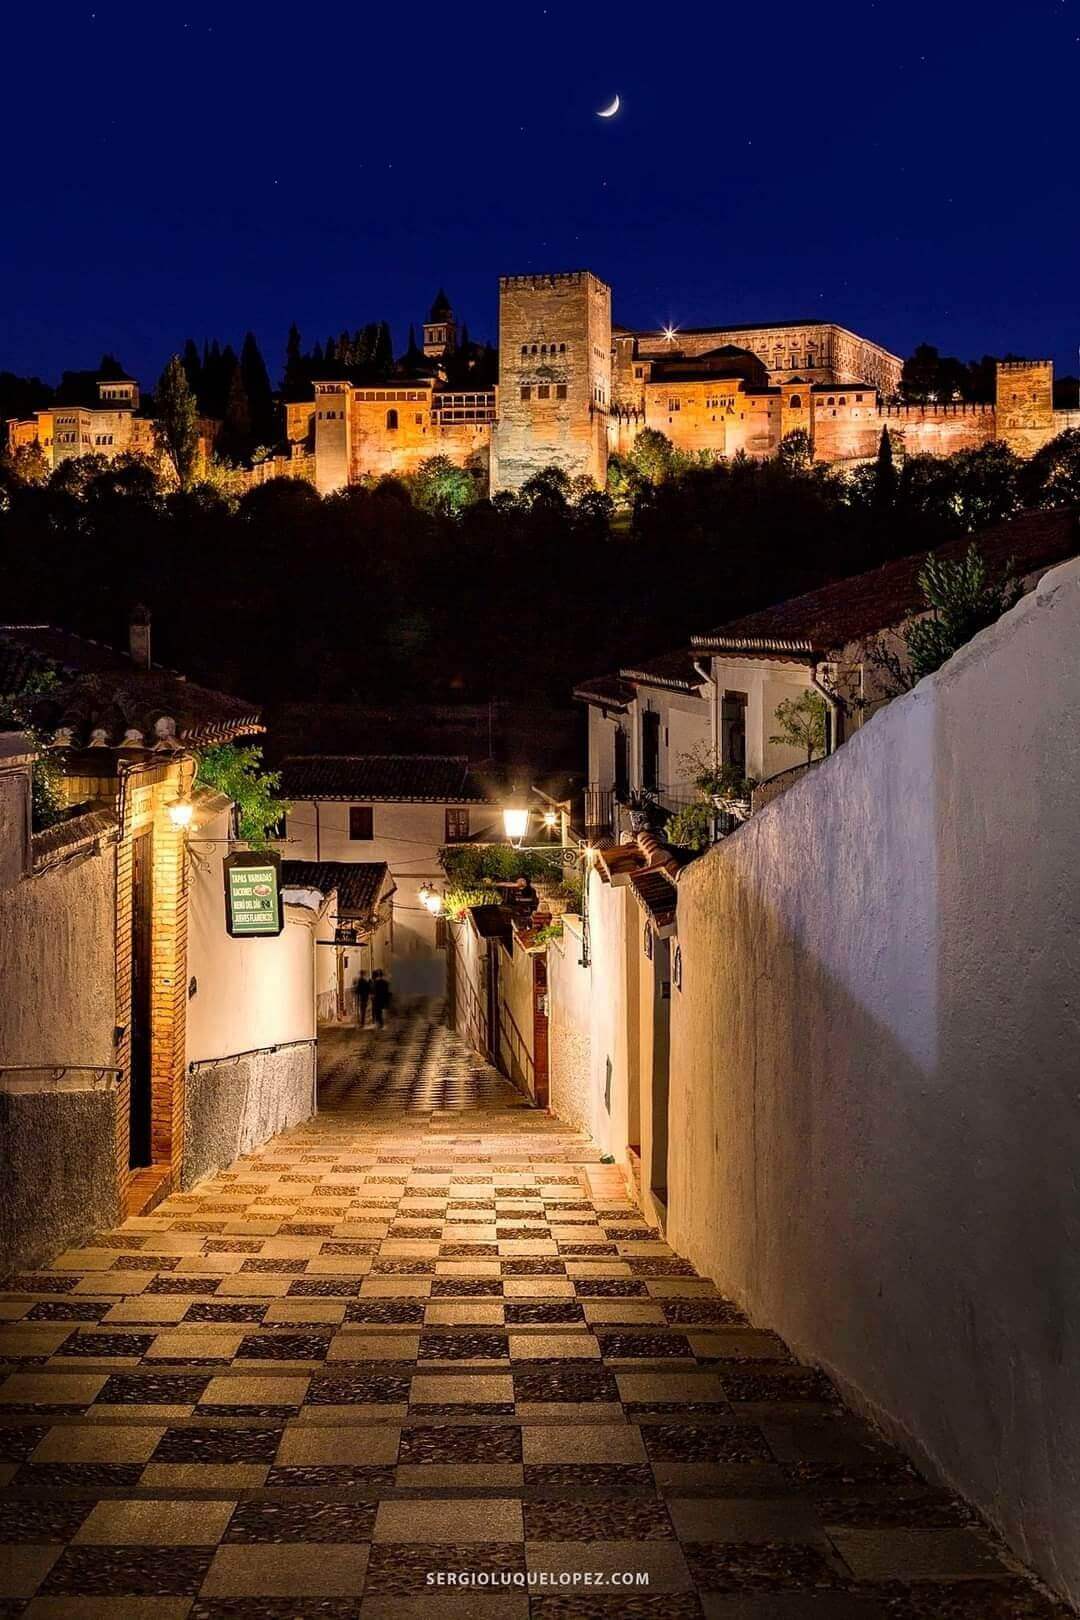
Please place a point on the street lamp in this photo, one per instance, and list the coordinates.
(515, 823)
(433, 903)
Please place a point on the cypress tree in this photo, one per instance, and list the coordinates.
(236, 434)
(383, 352)
(176, 426)
(886, 482)
(192, 366)
(295, 376)
(259, 393)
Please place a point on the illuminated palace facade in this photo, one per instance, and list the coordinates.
(574, 389)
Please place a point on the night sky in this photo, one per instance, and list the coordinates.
(907, 169)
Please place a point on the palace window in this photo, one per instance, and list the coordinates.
(796, 402)
(526, 391)
(361, 823)
(391, 420)
(543, 391)
(560, 391)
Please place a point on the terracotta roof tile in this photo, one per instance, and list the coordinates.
(102, 697)
(408, 778)
(827, 619)
(357, 883)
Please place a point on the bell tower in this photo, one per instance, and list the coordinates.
(440, 328)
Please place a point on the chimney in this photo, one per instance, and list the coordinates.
(139, 636)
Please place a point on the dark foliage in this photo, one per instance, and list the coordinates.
(364, 596)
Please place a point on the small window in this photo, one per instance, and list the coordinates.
(391, 420)
(796, 402)
(361, 823)
(524, 348)
(543, 391)
(526, 391)
(457, 826)
(560, 390)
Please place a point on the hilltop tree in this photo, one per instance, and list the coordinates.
(886, 481)
(794, 452)
(236, 433)
(176, 425)
(260, 396)
(295, 379)
(440, 485)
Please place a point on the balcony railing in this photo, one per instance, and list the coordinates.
(599, 809)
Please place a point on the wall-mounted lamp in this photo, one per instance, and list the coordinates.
(180, 813)
(434, 903)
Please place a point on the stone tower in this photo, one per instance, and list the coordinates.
(554, 377)
(440, 328)
(1024, 404)
(333, 436)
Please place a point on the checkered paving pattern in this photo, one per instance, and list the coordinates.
(426, 1335)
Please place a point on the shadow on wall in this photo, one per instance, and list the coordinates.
(875, 1080)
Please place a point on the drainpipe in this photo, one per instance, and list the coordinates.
(709, 681)
(833, 704)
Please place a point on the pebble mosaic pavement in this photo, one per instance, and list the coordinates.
(428, 1332)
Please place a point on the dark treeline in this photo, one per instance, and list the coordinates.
(930, 378)
(396, 592)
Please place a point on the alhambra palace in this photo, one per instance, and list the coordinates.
(574, 389)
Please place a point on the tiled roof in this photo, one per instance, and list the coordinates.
(357, 883)
(673, 670)
(606, 691)
(104, 699)
(829, 618)
(651, 870)
(409, 778)
(76, 835)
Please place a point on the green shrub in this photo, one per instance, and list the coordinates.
(690, 827)
(501, 863)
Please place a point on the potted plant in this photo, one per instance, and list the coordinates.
(639, 807)
(729, 790)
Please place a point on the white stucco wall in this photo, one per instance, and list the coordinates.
(767, 682)
(874, 1091)
(58, 964)
(57, 1007)
(569, 1001)
(251, 992)
(613, 1032)
(408, 838)
(518, 1052)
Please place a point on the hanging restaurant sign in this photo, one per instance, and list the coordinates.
(253, 894)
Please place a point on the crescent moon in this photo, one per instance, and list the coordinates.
(609, 112)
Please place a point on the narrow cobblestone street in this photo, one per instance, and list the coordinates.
(426, 1334)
